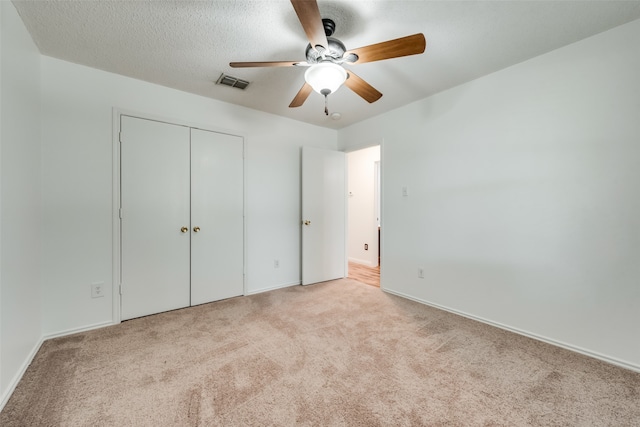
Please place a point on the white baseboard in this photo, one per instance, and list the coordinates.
(273, 288)
(23, 368)
(77, 330)
(18, 376)
(595, 355)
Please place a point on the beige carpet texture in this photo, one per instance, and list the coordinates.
(340, 353)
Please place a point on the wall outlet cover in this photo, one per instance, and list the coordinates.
(97, 290)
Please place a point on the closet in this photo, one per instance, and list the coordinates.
(182, 216)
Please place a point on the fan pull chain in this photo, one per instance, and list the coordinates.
(326, 93)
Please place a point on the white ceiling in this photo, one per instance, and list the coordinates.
(187, 44)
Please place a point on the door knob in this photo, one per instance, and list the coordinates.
(184, 229)
(307, 222)
(196, 229)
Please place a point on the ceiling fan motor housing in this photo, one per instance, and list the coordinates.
(333, 53)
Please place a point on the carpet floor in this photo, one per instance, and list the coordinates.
(340, 353)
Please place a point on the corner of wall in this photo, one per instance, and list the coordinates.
(20, 199)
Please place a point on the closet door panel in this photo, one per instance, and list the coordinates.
(155, 175)
(217, 222)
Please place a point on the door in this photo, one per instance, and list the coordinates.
(155, 214)
(323, 215)
(217, 216)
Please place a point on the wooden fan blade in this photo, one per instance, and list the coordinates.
(362, 88)
(404, 46)
(301, 96)
(309, 16)
(267, 64)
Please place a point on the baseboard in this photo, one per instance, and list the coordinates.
(273, 288)
(362, 262)
(77, 330)
(18, 376)
(612, 360)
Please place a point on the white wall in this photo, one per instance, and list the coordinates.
(77, 176)
(363, 226)
(20, 198)
(2, 386)
(524, 204)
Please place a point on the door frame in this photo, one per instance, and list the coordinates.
(356, 147)
(117, 113)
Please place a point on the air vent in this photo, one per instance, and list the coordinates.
(232, 81)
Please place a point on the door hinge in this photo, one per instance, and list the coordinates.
(120, 137)
(120, 213)
(120, 289)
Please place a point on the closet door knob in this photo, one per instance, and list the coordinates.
(184, 229)
(196, 229)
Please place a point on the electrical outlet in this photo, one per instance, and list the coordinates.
(276, 263)
(97, 290)
(366, 247)
(421, 273)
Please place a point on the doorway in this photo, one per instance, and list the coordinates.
(364, 215)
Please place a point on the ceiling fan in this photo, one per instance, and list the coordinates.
(326, 56)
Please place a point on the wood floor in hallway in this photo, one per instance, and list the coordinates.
(365, 274)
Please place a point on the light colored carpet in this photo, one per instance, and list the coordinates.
(338, 353)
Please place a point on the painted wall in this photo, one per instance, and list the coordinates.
(363, 227)
(77, 175)
(20, 198)
(524, 196)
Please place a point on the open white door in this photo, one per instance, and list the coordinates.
(323, 215)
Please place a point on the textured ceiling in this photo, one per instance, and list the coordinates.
(187, 44)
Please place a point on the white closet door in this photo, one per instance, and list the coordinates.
(217, 223)
(155, 163)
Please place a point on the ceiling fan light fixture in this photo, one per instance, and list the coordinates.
(325, 56)
(325, 76)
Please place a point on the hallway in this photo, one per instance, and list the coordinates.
(365, 274)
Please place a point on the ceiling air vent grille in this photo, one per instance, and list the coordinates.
(232, 81)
